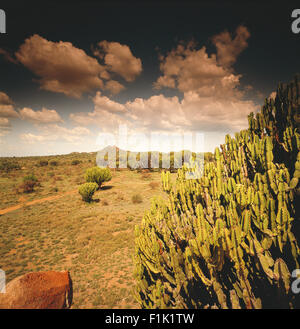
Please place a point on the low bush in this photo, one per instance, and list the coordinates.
(87, 191)
(29, 183)
(30, 177)
(75, 162)
(137, 198)
(43, 163)
(8, 166)
(97, 175)
(53, 163)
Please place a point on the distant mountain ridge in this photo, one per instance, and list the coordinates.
(115, 157)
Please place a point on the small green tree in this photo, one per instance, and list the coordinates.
(87, 191)
(97, 175)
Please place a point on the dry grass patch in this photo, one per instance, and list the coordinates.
(94, 242)
(154, 185)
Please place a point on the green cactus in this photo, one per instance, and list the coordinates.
(166, 181)
(230, 238)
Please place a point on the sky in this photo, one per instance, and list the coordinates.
(75, 76)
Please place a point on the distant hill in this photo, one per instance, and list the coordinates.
(151, 159)
(121, 157)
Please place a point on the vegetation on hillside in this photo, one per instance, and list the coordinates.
(152, 160)
(9, 165)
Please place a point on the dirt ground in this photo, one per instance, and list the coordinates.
(53, 229)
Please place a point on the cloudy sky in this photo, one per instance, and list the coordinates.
(72, 72)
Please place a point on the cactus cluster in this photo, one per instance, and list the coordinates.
(230, 238)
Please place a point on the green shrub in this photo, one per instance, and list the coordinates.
(30, 177)
(229, 239)
(97, 175)
(87, 191)
(43, 163)
(75, 162)
(53, 163)
(136, 198)
(8, 166)
(29, 183)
